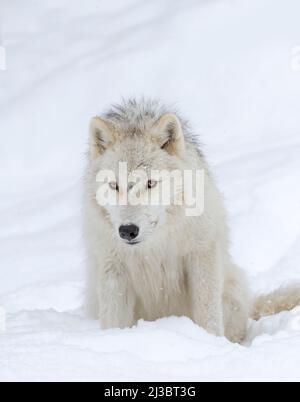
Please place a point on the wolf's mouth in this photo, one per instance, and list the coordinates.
(133, 243)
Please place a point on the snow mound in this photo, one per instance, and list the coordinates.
(51, 346)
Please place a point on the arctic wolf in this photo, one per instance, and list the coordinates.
(151, 261)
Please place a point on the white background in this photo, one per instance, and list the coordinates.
(233, 68)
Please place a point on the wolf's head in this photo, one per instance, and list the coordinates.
(130, 147)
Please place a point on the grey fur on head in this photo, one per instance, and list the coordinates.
(135, 117)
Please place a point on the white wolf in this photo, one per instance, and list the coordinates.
(147, 262)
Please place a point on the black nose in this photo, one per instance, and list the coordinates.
(129, 232)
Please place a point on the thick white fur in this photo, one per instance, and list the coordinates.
(182, 265)
(283, 299)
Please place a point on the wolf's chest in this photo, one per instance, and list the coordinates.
(158, 284)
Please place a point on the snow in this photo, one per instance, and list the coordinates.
(233, 68)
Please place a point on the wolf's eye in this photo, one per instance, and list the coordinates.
(114, 185)
(152, 183)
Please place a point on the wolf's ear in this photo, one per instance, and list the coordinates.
(169, 135)
(101, 137)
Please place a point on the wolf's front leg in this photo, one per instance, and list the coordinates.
(116, 299)
(205, 282)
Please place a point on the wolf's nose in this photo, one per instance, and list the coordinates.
(129, 232)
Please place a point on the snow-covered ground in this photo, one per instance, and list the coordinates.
(233, 68)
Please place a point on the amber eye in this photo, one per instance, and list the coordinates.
(152, 183)
(114, 185)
